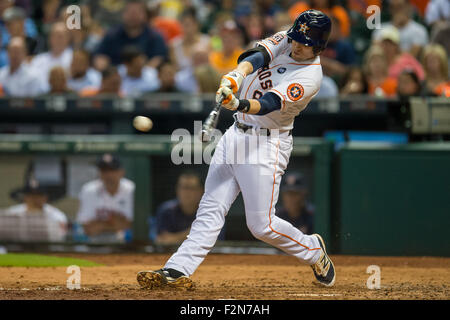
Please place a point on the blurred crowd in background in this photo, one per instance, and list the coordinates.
(133, 48)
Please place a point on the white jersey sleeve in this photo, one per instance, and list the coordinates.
(55, 214)
(276, 44)
(296, 90)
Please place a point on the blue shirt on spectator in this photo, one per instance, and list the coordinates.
(149, 41)
(170, 218)
(92, 79)
(135, 87)
(328, 89)
(342, 51)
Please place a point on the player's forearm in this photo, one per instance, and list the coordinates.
(120, 223)
(94, 228)
(172, 237)
(180, 236)
(245, 68)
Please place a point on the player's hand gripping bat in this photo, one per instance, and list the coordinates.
(211, 122)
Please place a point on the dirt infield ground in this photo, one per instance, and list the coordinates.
(270, 277)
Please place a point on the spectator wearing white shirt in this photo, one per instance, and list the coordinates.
(328, 89)
(60, 53)
(35, 204)
(18, 79)
(107, 204)
(413, 35)
(137, 78)
(81, 75)
(437, 16)
(437, 10)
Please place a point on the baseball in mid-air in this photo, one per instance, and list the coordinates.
(142, 123)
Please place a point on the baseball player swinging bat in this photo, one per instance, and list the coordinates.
(211, 122)
(272, 83)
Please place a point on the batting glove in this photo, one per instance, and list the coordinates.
(229, 101)
(232, 80)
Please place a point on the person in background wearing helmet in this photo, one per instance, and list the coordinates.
(275, 81)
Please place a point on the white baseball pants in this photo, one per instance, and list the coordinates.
(259, 183)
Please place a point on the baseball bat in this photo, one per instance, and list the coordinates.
(211, 122)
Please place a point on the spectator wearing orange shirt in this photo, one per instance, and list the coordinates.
(434, 60)
(420, 5)
(361, 6)
(168, 27)
(329, 7)
(226, 60)
(377, 73)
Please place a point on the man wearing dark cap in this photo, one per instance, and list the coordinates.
(106, 204)
(35, 199)
(295, 209)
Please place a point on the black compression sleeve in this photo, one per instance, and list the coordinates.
(256, 59)
(252, 51)
(269, 102)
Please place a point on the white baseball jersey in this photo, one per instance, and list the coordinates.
(97, 204)
(296, 83)
(56, 220)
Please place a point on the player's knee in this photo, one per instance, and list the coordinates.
(260, 232)
(209, 203)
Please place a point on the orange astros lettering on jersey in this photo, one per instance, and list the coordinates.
(295, 91)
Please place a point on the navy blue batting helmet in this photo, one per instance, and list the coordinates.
(312, 28)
